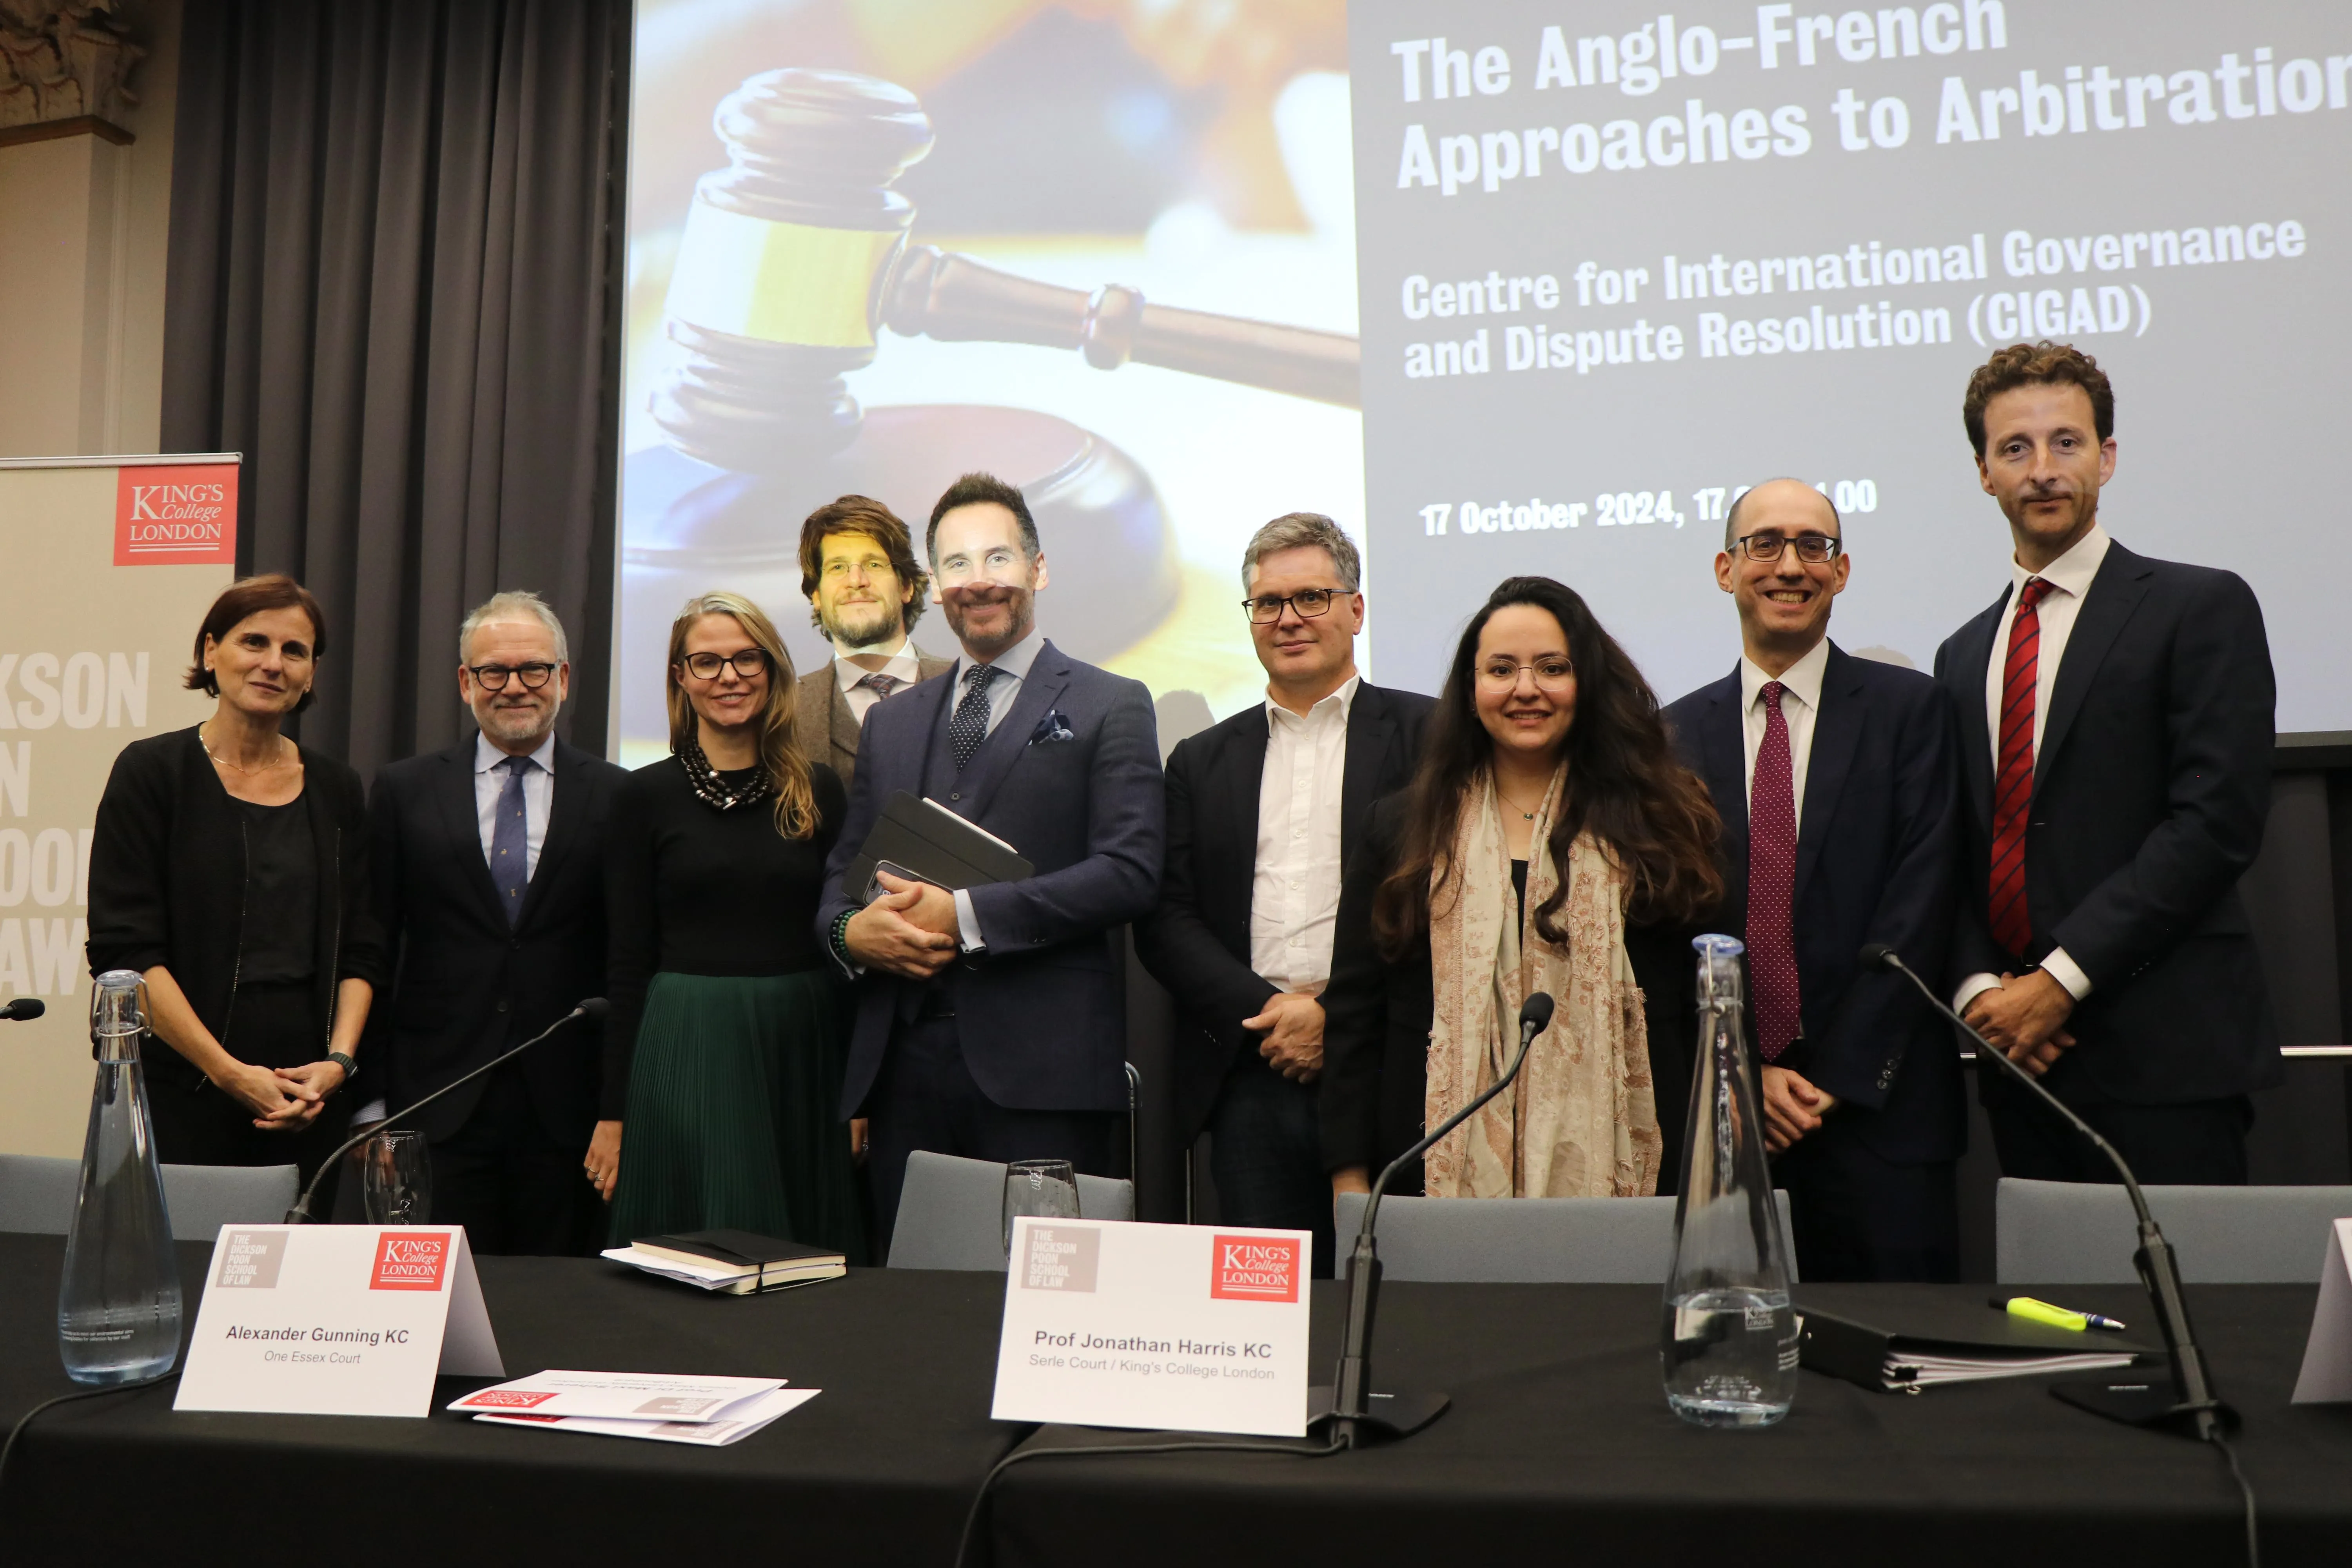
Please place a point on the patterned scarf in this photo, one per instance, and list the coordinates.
(1581, 1121)
(711, 789)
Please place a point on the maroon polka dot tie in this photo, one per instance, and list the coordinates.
(1771, 886)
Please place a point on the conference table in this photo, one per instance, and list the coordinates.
(1558, 1445)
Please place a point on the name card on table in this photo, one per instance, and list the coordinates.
(1187, 1328)
(336, 1319)
(2327, 1378)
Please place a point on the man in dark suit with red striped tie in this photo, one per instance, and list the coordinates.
(2117, 725)
(1835, 779)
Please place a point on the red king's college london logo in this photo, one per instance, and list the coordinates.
(175, 514)
(1254, 1269)
(410, 1260)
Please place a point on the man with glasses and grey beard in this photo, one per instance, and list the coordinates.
(488, 867)
(1262, 811)
(1836, 782)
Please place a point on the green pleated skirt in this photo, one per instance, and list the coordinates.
(732, 1120)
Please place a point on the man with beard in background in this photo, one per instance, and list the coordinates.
(989, 1021)
(865, 594)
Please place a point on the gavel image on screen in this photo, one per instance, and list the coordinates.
(795, 253)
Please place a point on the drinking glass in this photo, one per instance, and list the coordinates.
(399, 1178)
(1045, 1188)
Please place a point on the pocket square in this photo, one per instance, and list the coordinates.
(1051, 728)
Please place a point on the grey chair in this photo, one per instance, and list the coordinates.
(951, 1212)
(2080, 1233)
(1575, 1241)
(36, 1194)
(203, 1198)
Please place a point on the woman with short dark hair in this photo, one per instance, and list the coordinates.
(1549, 841)
(229, 866)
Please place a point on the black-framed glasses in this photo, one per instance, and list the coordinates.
(748, 663)
(1813, 549)
(1307, 601)
(493, 676)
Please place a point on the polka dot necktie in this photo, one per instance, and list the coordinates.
(510, 840)
(1771, 886)
(968, 726)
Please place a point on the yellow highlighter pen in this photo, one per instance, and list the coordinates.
(2035, 1311)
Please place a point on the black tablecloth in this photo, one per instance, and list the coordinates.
(1559, 1448)
(878, 1469)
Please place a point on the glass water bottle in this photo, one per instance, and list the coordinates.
(1729, 1346)
(119, 1305)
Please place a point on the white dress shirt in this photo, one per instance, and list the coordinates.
(1801, 704)
(1294, 897)
(538, 796)
(2069, 577)
(1012, 669)
(901, 666)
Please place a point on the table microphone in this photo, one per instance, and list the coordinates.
(23, 1010)
(2160, 1271)
(1350, 1395)
(592, 1008)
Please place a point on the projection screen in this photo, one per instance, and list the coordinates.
(1609, 264)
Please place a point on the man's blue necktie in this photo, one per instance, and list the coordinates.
(510, 840)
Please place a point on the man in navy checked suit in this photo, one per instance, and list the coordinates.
(991, 1023)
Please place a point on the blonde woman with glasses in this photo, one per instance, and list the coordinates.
(725, 1048)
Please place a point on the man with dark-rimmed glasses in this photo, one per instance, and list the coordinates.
(1835, 779)
(1262, 811)
(488, 873)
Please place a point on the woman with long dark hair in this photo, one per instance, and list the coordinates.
(1549, 841)
(724, 1053)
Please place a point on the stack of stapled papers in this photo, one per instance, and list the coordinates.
(710, 1411)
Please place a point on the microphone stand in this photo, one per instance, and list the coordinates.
(1350, 1413)
(593, 1007)
(2190, 1404)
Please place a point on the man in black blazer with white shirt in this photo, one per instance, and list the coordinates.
(1835, 780)
(488, 862)
(2117, 717)
(1263, 812)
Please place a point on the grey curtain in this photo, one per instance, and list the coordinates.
(393, 286)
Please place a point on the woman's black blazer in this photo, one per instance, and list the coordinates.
(167, 879)
(1377, 1017)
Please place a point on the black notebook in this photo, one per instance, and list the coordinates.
(736, 1248)
(1903, 1347)
(926, 841)
(749, 1261)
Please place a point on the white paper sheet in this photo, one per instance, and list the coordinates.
(2327, 1376)
(745, 1419)
(618, 1396)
